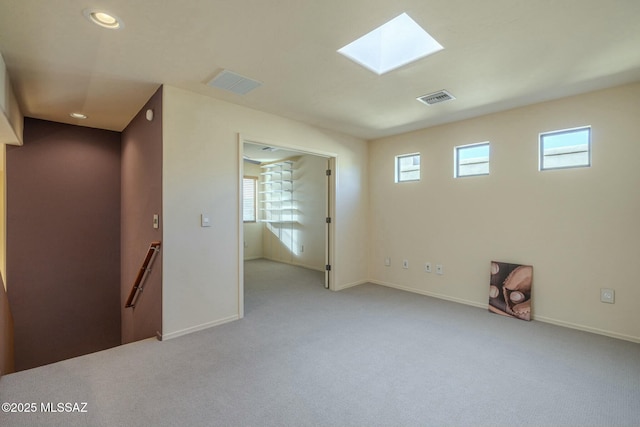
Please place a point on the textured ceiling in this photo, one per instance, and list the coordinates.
(498, 54)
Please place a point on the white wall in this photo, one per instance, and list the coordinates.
(201, 175)
(311, 201)
(302, 242)
(252, 230)
(579, 228)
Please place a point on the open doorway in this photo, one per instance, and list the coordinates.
(286, 208)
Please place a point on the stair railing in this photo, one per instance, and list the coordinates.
(137, 288)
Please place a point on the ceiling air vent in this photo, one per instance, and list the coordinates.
(233, 82)
(436, 97)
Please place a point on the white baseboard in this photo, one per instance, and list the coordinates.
(297, 264)
(197, 328)
(251, 258)
(431, 294)
(533, 317)
(309, 267)
(350, 285)
(586, 328)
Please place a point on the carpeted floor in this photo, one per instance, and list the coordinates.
(365, 356)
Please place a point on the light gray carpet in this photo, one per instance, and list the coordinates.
(365, 356)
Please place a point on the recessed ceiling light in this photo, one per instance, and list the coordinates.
(78, 116)
(392, 45)
(103, 18)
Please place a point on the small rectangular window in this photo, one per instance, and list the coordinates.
(408, 167)
(249, 199)
(569, 148)
(471, 160)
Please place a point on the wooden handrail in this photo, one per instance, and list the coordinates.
(154, 248)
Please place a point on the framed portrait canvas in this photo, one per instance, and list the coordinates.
(510, 289)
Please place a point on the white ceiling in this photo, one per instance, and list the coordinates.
(498, 54)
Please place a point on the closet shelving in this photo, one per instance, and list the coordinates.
(277, 202)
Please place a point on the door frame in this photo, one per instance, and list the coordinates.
(331, 203)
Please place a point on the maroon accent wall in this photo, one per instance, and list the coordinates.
(6, 334)
(63, 241)
(141, 198)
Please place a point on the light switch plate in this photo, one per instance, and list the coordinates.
(204, 220)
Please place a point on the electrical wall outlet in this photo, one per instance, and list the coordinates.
(387, 261)
(439, 269)
(427, 267)
(607, 295)
(405, 263)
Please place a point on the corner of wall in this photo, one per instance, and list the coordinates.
(11, 119)
(7, 358)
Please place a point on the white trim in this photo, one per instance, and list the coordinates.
(297, 264)
(197, 328)
(351, 285)
(456, 165)
(397, 171)
(240, 265)
(561, 131)
(330, 250)
(543, 319)
(586, 328)
(332, 156)
(432, 294)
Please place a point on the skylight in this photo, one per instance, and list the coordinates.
(392, 45)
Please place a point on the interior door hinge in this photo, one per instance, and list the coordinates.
(328, 172)
(328, 220)
(327, 267)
